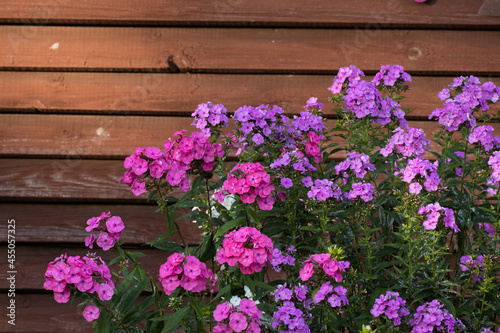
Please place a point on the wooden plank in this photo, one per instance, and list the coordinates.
(64, 180)
(490, 8)
(447, 13)
(165, 94)
(32, 261)
(247, 50)
(41, 313)
(91, 136)
(75, 136)
(47, 223)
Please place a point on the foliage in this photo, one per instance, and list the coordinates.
(357, 228)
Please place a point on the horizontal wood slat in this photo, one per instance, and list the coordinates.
(63, 180)
(77, 136)
(32, 261)
(180, 94)
(246, 50)
(445, 13)
(52, 223)
(41, 313)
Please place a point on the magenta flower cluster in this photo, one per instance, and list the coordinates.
(291, 316)
(426, 170)
(363, 99)
(323, 262)
(259, 122)
(494, 163)
(433, 315)
(364, 191)
(390, 305)
(357, 163)
(252, 183)
(484, 135)
(467, 263)
(408, 141)
(390, 75)
(432, 214)
(187, 272)
(312, 104)
(230, 319)
(89, 274)
(186, 153)
(209, 115)
(322, 189)
(459, 109)
(248, 248)
(292, 159)
(337, 294)
(350, 74)
(109, 228)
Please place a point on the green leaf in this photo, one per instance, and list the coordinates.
(167, 245)
(223, 291)
(253, 215)
(174, 319)
(190, 203)
(230, 225)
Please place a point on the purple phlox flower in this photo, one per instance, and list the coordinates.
(312, 103)
(351, 74)
(458, 109)
(432, 215)
(209, 115)
(359, 164)
(293, 159)
(433, 315)
(390, 75)
(364, 191)
(484, 135)
(324, 189)
(278, 259)
(307, 122)
(410, 142)
(425, 169)
(390, 305)
(487, 228)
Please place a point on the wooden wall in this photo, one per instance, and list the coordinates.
(83, 83)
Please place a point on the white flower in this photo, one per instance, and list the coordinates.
(248, 293)
(235, 300)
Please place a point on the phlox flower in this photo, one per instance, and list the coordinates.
(359, 164)
(432, 215)
(390, 305)
(323, 261)
(408, 141)
(390, 75)
(91, 312)
(187, 272)
(237, 318)
(88, 274)
(109, 228)
(433, 315)
(351, 74)
(252, 183)
(246, 247)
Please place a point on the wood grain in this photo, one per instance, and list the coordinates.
(165, 94)
(53, 223)
(41, 313)
(444, 13)
(32, 261)
(75, 136)
(247, 50)
(65, 180)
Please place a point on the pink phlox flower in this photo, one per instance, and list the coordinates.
(91, 312)
(238, 321)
